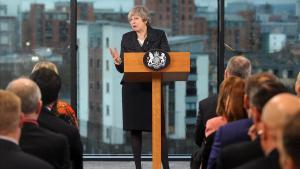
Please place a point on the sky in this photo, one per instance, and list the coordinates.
(214, 2)
(117, 4)
(24, 4)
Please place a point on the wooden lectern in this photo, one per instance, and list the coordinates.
(136, 71)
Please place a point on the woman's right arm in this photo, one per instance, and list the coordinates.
(120, 67)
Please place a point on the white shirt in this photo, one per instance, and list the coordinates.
(141, 42)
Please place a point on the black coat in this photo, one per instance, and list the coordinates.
(137, 97)
(49, 121)
(45, 145)
(270, 162)
(238, 154)
(207, 110)
(12, 157)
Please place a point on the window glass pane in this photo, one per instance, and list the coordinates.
(190, 26)
(267, 32)
(32, 31)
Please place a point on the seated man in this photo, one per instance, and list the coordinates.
(49, 83)
(259, 89)
(238, 66)
(279, 108)
(11, 155)
(288, 144)
(36, 140)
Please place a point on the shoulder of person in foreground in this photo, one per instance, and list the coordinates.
(237, 154)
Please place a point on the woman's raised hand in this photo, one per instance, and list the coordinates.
(115, 55)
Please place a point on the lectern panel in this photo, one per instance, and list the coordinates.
(136, 71)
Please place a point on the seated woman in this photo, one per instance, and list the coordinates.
(229, 108)
(61, 109)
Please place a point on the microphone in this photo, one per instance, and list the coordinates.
(231, 49)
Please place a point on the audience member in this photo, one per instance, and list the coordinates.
(35, 140)
(12, 157)
(289, 143)
(60, 108)
(238, 66)
(236, 131)
(230, 104)
(229, 108)
(259, 89)
(49, 83)
(279, 108)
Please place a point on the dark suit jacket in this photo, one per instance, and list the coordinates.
(12, 157)
(49, 121)
(45, 145)
(233, 132)
(270, 162)
(137, 97)
(238, 154)
(207, 110)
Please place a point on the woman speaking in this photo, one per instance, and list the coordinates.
(137, 97)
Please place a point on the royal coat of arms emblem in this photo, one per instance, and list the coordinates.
(156, 59)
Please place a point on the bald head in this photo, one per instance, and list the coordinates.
(29, 93)
(279, 108)
(238, 66)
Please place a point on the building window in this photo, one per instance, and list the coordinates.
(193, 66)
(107, 42)
(107, 133)
(191, 110)
(91, 62)
(190, 106)
(107, 65)
(98, 85)
(107, 87)
(191, 88)
(107, 110)
(91, 106)
(98, 63)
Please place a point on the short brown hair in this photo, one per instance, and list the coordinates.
(10, 109)
(45, 64)
(230, 99)
(261, 87)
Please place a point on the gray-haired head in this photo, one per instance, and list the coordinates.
(140, 11)
(29, 93)
(238, 66)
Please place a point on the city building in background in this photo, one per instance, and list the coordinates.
(99, 92)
